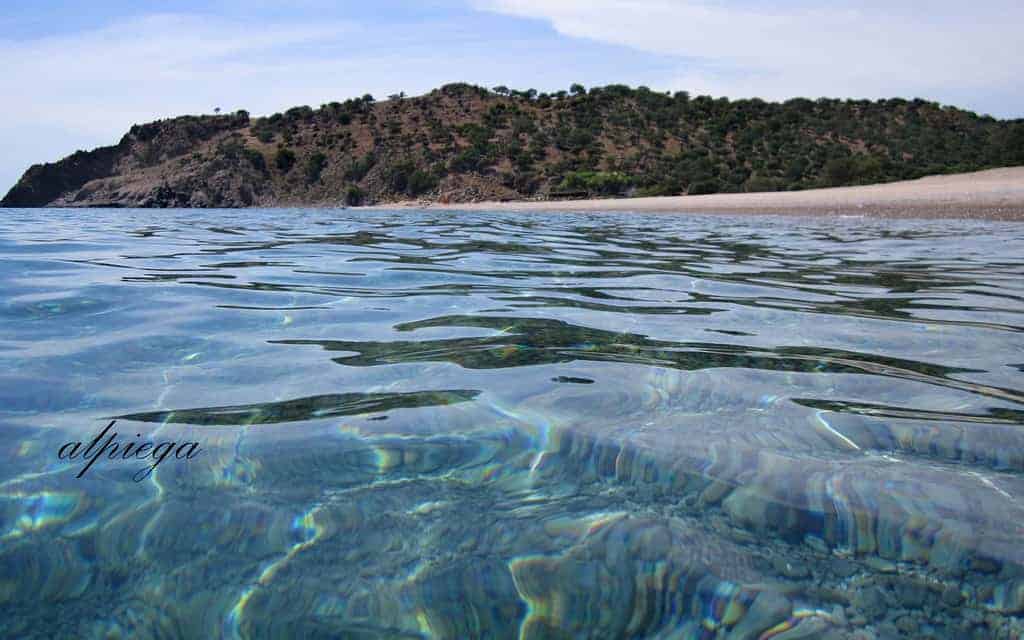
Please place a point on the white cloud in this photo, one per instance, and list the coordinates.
(780, 50)
(96, 81)
(85, 89)
(88, 88)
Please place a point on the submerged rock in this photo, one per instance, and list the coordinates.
(632, 577)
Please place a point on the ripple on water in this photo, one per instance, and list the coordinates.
(426, 424)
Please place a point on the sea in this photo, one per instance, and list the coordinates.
(420, 423)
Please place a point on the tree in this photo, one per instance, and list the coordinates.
(577, 89)
(501, 90)
(216, 110)
(304, 112)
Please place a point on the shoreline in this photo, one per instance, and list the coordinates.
(993, 194)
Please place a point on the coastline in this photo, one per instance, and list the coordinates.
(994, 194)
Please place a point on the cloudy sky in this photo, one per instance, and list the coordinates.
(79, 74)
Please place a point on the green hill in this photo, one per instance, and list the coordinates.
(464, 143)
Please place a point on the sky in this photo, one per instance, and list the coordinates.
(76, 75)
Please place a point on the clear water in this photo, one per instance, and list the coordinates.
(422, 424)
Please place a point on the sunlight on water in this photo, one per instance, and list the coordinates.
(422, 424)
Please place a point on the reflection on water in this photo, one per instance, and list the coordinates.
(436, 425)
(326, 406)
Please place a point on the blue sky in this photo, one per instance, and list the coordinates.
(78, 75)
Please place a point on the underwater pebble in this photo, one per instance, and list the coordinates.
(789, 569)
(982, 564)
(839, 616)
(952, 597)
(870, 602)
(911, 595)
(906, 624)
(844, 568)
(880, 564)
(767, 608)
(888, 631)
(1007, 598)
(808, 628)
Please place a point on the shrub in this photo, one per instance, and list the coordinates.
(420, 182)
(1012, 151)
(758, 183)
(839, 171)
(398, 176)
(255, 158)
(661, 189)
(284, 160)
(315, 166)
(361, 167)
(353, 196)
(596, 182)
(266, 136)
(573, 140)
(858, 170)
(704, 187)
(468, 160)
(304, 112)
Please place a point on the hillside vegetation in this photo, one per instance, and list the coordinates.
(465, 143)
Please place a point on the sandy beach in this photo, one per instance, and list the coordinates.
(994, 194)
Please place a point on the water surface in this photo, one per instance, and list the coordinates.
(424, 424)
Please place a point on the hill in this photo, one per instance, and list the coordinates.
(463, 143)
